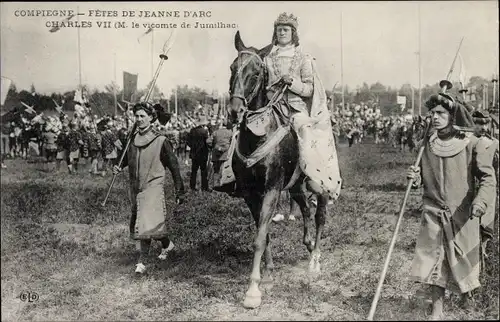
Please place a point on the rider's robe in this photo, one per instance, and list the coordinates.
(310, 117)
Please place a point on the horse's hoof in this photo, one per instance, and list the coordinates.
(252, 302)
(266, 279)
(317, 269)
(314, 264)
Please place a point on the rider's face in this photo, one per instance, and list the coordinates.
(284, 34)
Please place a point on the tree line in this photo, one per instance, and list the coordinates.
(102, 102)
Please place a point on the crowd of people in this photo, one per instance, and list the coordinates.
(98, 140)
(357, 121)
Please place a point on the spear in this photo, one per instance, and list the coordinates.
(163, 56)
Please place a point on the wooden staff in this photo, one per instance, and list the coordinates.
(394, 236)
(163, 57)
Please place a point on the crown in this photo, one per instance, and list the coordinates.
(284, 19)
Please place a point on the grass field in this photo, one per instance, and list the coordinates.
(59, 242)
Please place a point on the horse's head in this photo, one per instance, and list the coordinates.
(248, 75)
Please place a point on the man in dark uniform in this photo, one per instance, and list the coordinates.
(198, 140)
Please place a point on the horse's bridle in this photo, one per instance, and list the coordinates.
(237, 78)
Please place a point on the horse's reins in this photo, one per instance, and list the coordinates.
(238, 79)
(277, 135)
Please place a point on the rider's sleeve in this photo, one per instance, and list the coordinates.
(303, 84)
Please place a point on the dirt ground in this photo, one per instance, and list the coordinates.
(76, 256)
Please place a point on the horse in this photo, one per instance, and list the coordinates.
(260, 182)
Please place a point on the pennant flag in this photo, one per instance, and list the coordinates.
(62, 22)
(129, 86)
(170, 41)
(28, 109)
(58, 107)
(462, 75)
(4, 89)
(144, 34)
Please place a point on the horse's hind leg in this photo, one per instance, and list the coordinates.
(253, 296)
(314, 263)
(298, 194)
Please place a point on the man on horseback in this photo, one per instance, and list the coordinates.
(304, 104)
(284, 142)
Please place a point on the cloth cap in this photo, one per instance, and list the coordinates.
(146, 107)
(481, 117)
(462, 118)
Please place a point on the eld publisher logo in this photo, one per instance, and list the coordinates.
(29, 297)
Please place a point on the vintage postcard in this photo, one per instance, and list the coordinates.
(249, 160)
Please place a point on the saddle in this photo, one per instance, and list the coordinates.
(258, 121)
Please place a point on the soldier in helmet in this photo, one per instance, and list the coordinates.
(74, 144)
(109, 143)
(199, 141)
(49, 136)
(482, 120)
(459, 184)
(147, 157)
(94, 145)
(62, 146)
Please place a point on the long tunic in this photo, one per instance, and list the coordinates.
(147, 157)
(221, 142)
(49, 140)
(74, 138)
(108, 139)
(447, 252)
(62, 145)
(488, 220)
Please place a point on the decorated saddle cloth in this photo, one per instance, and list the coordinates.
(317, 151)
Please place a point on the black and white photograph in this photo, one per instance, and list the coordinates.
(249, 160)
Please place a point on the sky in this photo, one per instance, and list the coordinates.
(379, 42)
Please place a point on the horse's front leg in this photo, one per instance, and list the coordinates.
(253, 296)
(314, 263)
(267, 277)
(254, 203)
